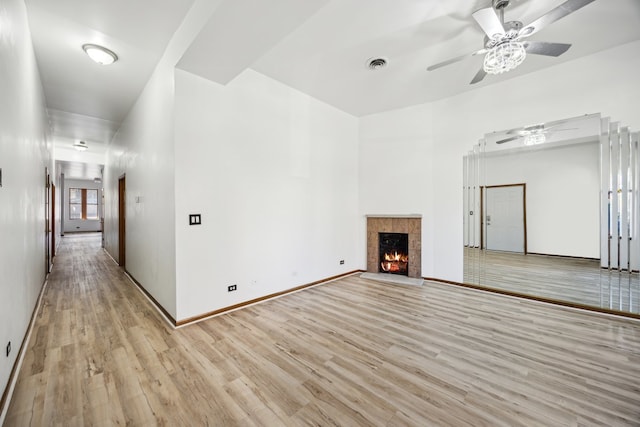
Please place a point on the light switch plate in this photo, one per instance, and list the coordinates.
(194, 219)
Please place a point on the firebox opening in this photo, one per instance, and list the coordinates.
(394, 253)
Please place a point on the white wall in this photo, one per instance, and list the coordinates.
(396, 157)
(74, 225)
(604, 82)
(274, 174)
(24, 154)
(142, 150)
(562, 195)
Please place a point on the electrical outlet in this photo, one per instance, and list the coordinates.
(341, 262)
(232, 288)
(8, 348)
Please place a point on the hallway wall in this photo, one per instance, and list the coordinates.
(143, 151)
(24, 155)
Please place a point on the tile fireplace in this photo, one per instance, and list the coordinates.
(394, 244)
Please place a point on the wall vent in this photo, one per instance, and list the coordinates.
(376, 63)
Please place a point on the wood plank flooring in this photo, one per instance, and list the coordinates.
(576, 280)
(352, 352)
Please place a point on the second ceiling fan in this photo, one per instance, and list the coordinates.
(505, 47)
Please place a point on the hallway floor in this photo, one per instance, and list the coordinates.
(350, 352)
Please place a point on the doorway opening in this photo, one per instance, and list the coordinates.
(47, 224)
(53, 220)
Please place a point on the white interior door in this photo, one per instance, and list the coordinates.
(504, 218)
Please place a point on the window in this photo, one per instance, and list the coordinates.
(83, 203)
(92, 204)
(75, 203)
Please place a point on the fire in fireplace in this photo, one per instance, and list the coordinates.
(394, 253)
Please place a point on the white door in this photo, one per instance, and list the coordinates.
(504, 218)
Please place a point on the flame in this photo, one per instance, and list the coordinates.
(396, 257)
(394, 262)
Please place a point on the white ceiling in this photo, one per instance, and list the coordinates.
(87, 101)
(79, 170)
(319, 47)
(326, 56)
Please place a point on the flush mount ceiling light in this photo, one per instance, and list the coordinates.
(80, 146)
(100, 54)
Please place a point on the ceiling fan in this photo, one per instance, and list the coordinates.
(534, 134)
(505, 48)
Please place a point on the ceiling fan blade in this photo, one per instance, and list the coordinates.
(513, 138)
(479, 76)
(537, 128)
(553, 15)
(456, 59)
(488, 21)
(545, 48)
(556, 123)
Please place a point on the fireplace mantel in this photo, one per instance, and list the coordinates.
(410, 224)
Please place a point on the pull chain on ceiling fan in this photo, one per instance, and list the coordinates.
(504, 47)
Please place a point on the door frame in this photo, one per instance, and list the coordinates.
(122, 237)
(53, 220)
(47, 219)
(483, 195)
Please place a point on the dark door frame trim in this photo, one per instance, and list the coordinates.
(524, 210)
(122, 247)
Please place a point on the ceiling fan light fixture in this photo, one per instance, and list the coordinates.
(80, 146)
(504, 57)
(100, 54)
(535, 139)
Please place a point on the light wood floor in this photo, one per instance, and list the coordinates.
(349, 353)
(574, 280)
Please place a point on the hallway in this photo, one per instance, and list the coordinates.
(81, 366)
(350, 352)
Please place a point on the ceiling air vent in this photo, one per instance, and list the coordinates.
(376, 63)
